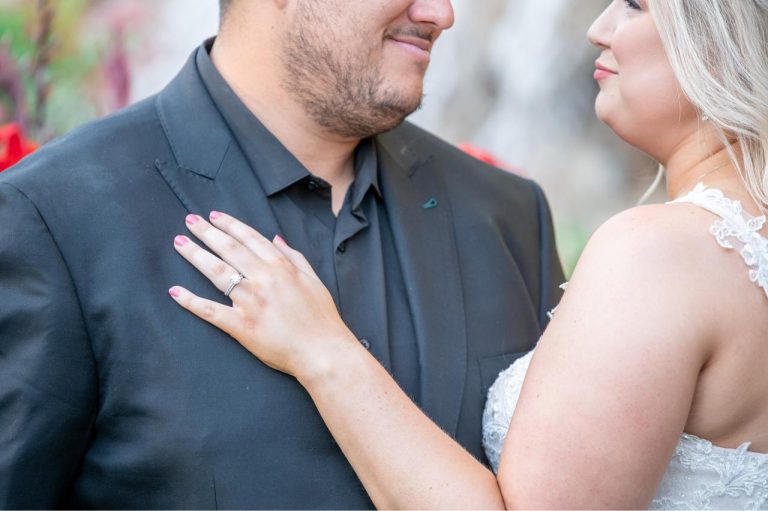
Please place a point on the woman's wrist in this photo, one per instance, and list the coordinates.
(332, 358)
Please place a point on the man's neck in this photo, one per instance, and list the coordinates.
(258, 86)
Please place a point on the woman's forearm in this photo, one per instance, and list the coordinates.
(402, 458)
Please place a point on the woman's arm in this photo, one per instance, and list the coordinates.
(284, 315)
(402, 458)
(605, 401)
(610, 387)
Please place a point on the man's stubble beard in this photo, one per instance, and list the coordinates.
(343, 93)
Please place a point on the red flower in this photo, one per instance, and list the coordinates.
(488, 158)
(13, 146)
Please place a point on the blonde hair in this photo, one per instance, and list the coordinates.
(718, 50)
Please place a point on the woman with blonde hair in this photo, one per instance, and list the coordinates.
(649, 386)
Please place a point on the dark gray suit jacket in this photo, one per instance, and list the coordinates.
(111, 396)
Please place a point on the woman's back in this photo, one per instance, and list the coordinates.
(701, 312)
(730, 405)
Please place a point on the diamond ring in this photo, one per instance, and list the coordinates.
(234, 280)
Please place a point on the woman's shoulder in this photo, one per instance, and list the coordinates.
(662, 254)
(664, 236)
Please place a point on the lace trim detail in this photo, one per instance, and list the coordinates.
(551, 313)
(736, 230)
(700, 475)
(502, 401)
(724, 476)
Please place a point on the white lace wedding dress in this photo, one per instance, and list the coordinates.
(700, 474)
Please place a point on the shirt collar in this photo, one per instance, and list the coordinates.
(366, 172)
(275, 166)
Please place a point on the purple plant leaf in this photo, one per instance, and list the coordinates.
(11, 83)
(117, 71)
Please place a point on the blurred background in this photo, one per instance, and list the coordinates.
(513, 78)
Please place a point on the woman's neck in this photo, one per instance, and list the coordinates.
(697, 162)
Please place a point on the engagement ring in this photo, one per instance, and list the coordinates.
(234, 280)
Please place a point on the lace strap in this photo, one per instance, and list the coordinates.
(736, 229)
(551, 314)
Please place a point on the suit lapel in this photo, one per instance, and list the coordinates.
(423, 229)
(208, 171)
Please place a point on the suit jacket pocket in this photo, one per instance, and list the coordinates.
(490, 367)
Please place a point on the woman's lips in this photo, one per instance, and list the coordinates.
(602, 72)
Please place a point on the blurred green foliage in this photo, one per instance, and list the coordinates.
(571, 239)
(67, 71)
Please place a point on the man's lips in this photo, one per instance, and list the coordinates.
(414, 41)
(416, 46)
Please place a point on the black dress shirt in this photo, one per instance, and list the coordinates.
(353, 254)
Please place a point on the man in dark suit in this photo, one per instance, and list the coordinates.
(111, 396)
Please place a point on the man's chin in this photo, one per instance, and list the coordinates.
(384, 113)
(395, 114)
(385, 127)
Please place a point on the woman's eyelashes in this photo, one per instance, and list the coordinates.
(632, 4)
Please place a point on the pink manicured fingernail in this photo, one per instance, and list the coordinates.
(180, 241)
(174, 292)
(192, 219)
(215, 215)
(280, 240)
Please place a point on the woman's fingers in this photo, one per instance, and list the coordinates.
(294, 256)
(252, 239)
(243, 250)
(218, 315)
(225, 246)
(216, 270)
(244, 234)
(263, 315)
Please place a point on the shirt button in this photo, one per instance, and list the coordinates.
(365, 343)
(312, 185)
(342, 247)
